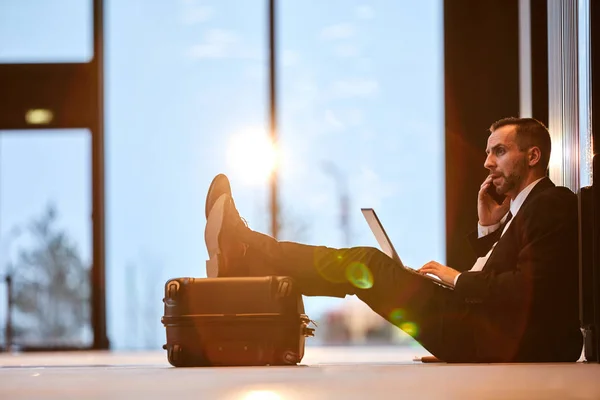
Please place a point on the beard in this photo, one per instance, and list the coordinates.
(514, 179)
(508, 183)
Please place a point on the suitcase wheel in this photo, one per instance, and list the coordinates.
(289, 357)
(174, 355)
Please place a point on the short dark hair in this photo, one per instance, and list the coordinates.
(529, 132)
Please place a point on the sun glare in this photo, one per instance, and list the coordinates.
(252, 155)
(262, 395)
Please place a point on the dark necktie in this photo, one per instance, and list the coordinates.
(481, 261)
(508, 218)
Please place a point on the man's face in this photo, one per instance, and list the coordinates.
(507, 164)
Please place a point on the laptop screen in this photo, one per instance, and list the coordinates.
(382, 238)
(388, 248)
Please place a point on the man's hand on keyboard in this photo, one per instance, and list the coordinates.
(446, 274)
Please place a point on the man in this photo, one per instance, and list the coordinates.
(518, 303)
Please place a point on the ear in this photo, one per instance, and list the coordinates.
(533, 156)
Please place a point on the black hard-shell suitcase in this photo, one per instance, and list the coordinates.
(234, 321)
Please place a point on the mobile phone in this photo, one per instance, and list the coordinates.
(498, 198)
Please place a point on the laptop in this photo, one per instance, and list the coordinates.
(388, 248)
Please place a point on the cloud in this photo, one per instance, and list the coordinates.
(367, 135)
(221, 43)
(217, 43)
(354, 88)
(332, 120)
(370, 189)
(347, 50)
(194, 13)
(354, 116)
(338, 31)
(344, 118)
(290, 58)
(255, 72)
(305, 94)
(365, 12)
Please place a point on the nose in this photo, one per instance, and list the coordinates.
(489, 162)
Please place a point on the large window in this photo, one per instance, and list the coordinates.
(45, 237)
(43, 31)
(182, 79)
(361, 99)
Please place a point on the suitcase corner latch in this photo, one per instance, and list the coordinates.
(306, 330)
(172, 289)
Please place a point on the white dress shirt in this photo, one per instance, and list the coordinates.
(515, 205)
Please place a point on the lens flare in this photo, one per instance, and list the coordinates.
(411, 328)
(330, 266)
(397, 316)
(359, 275)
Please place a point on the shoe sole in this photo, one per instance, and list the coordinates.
(212, 232)
(211, 188)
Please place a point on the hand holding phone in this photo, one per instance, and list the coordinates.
(493, 193)
(491, 206)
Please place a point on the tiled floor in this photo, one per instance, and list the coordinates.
(326, 373)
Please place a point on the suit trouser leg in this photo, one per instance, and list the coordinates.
(418, 306)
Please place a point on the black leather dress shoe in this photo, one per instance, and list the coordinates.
(219, 186)
(223, 237)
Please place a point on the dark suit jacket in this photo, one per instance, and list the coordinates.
(523, 305)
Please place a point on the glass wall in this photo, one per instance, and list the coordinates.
(45, 237)
(44, 31)
(183, 79)
(360, 97)
(361, 100)
(45, 191)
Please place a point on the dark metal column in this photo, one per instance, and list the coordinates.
(98, 197)
(273, 118)
(539, 60)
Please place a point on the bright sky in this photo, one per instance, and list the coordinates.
(360, 86)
